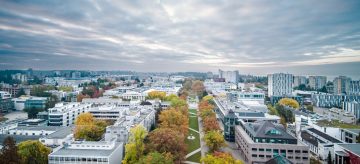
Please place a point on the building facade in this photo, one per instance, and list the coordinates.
(299, 80)
(229, 76)
(341, 85)
(280, 84)
(6, 104)
(354, 87)
(64, 114)
(317, 82)
(261, 141)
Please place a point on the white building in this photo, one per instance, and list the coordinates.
(229, 76)
(132, 95)
(317, 82)
(19, 103)
(140, 115)
(352, 107)
(20, 77)
(88, 152)
(64, 114)
(280, 84)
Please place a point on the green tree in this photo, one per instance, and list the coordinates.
(9, 154)
(220, 158)
(33, 152)
(52, 100)
(32, 112)
(329, 159)
(289, 102)
(166, 140)
(21, 92)
(214, 140)
(157, 158)
(88, 128)
(134, 149)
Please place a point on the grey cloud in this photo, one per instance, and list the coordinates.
(178, 35)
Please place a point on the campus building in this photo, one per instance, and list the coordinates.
(262, 141)
(280, 84)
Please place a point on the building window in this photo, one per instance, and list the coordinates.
(261, 156)
(268, 150)
(268, 156)
(261, 149)
(305, 151)
(290, 151)
(254, 149)
(305, 158)
(254, 155)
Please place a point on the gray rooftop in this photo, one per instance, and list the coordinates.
(61, 133)
(354, 148)
(91, 152)
(262, 129)
(46, 128)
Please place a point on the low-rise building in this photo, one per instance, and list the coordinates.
(261, 141)
(35, 103)
(352, 107)
(6, 104)
(64, 114)
(80, 152)
(341, 115)
(319, 142)
(349, 135)
(230, 114)
(33, 122)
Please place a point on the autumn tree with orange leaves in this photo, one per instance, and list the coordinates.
(174, 119)
(166, 140)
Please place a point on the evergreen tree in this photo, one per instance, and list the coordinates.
(9, 152)
(329, 159)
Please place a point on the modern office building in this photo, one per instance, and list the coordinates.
(64, 114)
(88, 152)
(35, 103)
(354, 87)
(21, 77)
(6, 104)
(280, 84)
(229, 76)
(349, 135)
(317, 82)
(236, 96)
(230, 114)
(332, 100)
(261, 141)
(319, 142)
(299, 80)
(139, 115)
(352, 107)
(341, 85)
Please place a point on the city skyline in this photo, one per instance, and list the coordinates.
(310, 38)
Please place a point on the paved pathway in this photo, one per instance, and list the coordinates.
(194, 130)
(204, 148)
(189, 162)
(193, 152)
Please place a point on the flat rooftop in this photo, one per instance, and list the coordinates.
(91, 152)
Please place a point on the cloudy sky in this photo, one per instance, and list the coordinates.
(301, 37)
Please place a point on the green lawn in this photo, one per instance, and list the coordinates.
(193, 144)
(337, 124)
(195, 158)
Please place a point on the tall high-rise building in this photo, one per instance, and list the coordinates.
(317, 82)
(280, 84)
(298, 80)
(341, 85)
(354, 87)
(229, 76)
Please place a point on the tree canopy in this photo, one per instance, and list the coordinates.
(214, 140)
(33, 152)
(9, 154)
(289, 102)
(168, 140)
(134, 149)
(220, 158)
(88, 128)
(174, 119)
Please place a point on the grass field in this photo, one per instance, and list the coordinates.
(337, 124)
(193, 144)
